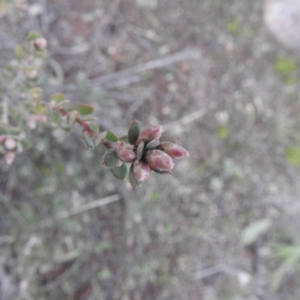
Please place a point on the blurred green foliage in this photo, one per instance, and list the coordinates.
(293, 155)
(233, 27)
(286, 68)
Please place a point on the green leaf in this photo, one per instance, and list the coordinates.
(60, 168)
(152, 145)
(223, 132)
(65, 125)
(94, 126)
(168, 138)
(26, 144)
(20, 52)
(55, 116)
(133, 131)
(124, 139)
(85, 109)
(253, 231)
(161, 172)
(32, 35)
(111, 136)
(71, 118)
(291, 256)
(88, 141)
(110, 158)
(10, 130)
(36, 94)
(233, 27)
(40, 109)
(140, 150)
(155, 196)
(99, 139)
(293, 155)
(285, 66)
(120, 172)
(132, 180)
(105, 275)
(58, 98)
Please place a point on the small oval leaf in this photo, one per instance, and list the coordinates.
(55, 116)
(124, 139)
(94, 126)
(132, 179)
(161, 172)
(120, 172)
(140, 150)
(168, 138)
(111, 136)
(110, 158)
(58, 98)
(253, 231)
(26, 144)
(133, 131)
(85, 109)
(88, 141)
(152, 145)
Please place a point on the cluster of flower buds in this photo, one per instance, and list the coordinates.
(12, 141)
(149, 150)
(8, 147)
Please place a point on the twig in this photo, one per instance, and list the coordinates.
(89, 206)
(86, 127)
(5, 109)
(7, 287)
(219, 268)
(186, 119)
(109, 16)
(208, 272)
(151, 65)
(139, 102)
(84, 208)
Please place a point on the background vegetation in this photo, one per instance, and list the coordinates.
(225, 225)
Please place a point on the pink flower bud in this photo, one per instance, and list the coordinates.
(31, 74)
(2, 138)
(10, 144)
(159, 160)
(40, 43)
(10, 157)
(152, 133)
(41, 118)
(141, 170)
(125, 153)
(174, 150)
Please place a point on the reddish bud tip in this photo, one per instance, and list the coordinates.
(10, 157)
(152, 133)
(3, 138)
(40, 43)
(125, 153)
(141, 170)
(159, 160)
(173, 150)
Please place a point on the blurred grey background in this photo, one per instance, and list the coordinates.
(221, 75)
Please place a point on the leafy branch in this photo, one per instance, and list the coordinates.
(146, 151)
